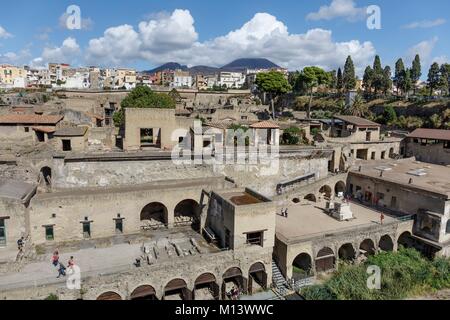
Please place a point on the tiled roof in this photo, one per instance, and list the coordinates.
(71, 132)
(436, 134)
(29, 119)
(44, 129)
(265, 125)
(357, 121)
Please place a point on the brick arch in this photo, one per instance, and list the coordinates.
(139, 291)
(110, 295)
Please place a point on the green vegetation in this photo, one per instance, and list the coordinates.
(52, 296)
(291, 136)
(274, 83)
(403, 274)
(144, 97)
(311, 78)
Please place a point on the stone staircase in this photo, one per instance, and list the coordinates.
(279, 282)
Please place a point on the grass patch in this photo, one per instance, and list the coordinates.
(405, 273)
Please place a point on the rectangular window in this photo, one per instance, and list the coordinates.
(2, 233)
(119, 225)
(255, 238)
(27, 129)
(49, 233)
(86, 230)
(66, 145)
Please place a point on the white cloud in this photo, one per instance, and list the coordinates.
(425, 24)
(4, 34)
(424, 49)
(441, 59)
(173, 38)
(86, 23)
(68, 52)
(345, 9)
(16, 58)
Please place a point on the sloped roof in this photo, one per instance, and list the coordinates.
(357, 121)
(17, 190)
(30, 119)
(71, 132)
(436, 134)
(44, 129)
(265, 125)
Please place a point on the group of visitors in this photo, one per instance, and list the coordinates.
(284, 212)
(61, 268)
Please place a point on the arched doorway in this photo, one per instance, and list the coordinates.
(325, 260)
(177, 289)
(257, 278)
(301, 266)
(367, 248)
(155, 215)
(325, 191)
(206, 288)
(405, 240)
(110, 295)
(311, 197)
(386, 243)
(232, 278)
(187, 213)
(347, 253)
(340, 188)
(144, 292)
(46, 173)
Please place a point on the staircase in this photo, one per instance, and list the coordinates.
(279, 282)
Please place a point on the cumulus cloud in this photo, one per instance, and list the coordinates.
(16, 58)
(4, 34)
(68, 52)
(173, 38)
(424, 49)
(345, 9)
(425, 24)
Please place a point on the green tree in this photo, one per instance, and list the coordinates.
(416, 72)
(349, 77)
(359, 107)
(175, 95)
(333, 80)
(433, 77)
(144, 97)
(275, 84)
(399, 74)
(378, 75)
(368, 80)
(387, 81)
(444, 78)
(389, 115)
(407, 83)
(339, 81)
(291, 136)
(435, 121)
(313, 77)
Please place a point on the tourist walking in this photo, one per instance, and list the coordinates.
(71, 262)
(20, 243)
(61, 270)
(382, 218)
(55, 258)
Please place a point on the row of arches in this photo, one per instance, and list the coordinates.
(324, 192)
(325, 259)
(186, 212)
(206, 286)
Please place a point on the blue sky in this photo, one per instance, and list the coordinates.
(292, 33)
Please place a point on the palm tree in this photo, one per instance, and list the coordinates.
(359, 107)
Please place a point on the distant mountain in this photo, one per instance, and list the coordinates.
(236, 65)
(249, 63)
(168, 66)
(203, 70)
